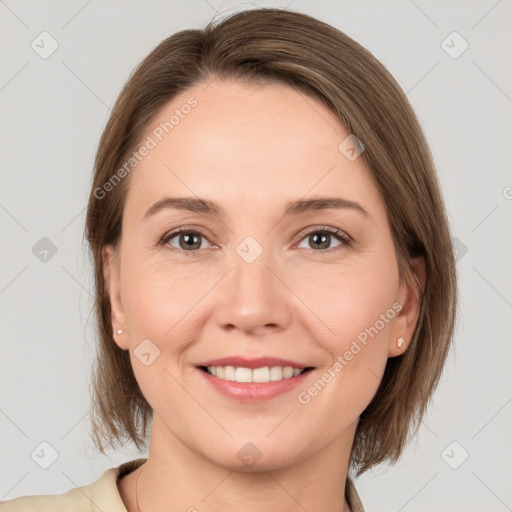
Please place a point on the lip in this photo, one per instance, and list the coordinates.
(243, 362)
(253, 391)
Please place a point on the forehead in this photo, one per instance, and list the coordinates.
(240, 143)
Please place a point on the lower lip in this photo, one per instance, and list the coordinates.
(254, 391)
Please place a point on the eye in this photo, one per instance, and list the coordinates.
(320, 239)
(185, 240)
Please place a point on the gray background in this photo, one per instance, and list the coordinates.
(53, 112)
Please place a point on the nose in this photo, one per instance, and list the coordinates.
(252, 298)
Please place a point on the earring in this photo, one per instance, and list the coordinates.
(119, 331)
(400, 342)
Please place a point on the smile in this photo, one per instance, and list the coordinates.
(253, 380)
(263, 374)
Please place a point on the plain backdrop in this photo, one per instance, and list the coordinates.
(53, 110)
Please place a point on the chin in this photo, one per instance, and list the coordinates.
(252, 453)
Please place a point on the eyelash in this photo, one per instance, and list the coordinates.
(346, 240)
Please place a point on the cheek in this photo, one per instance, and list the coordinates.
(160, 303)
(158, 297)
(355, 305)
(351, 300)
(360, 312)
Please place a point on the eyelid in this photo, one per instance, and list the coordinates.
(345, 239)
(329, 229)
(183, 229)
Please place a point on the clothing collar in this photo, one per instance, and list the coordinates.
(103, 497)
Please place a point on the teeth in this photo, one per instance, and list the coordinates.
(229, 373)
(264, 374)
(287, 372)
(261, 374)
(243, 375)
(276, 373)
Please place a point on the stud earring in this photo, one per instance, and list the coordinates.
(119, 331)
(400, 342)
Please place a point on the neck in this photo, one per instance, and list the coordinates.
(176, 477)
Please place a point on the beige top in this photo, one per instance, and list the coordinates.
(103, 496)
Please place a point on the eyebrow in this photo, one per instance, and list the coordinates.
(195, 204)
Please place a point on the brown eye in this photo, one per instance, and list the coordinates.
(186, 240)
(321, 241)
(324, 238)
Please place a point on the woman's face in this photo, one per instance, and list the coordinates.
(254, 280)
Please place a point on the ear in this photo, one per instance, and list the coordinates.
(409, 298)
(111, 275)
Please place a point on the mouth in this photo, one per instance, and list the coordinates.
(256, 375)
(253, 380)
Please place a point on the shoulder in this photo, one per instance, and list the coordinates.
(352, 496)
(72, 500)
(100, 496)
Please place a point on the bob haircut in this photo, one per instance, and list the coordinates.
(275, 46)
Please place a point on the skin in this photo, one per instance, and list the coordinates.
(252, 148)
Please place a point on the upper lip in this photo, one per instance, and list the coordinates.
(260, 362)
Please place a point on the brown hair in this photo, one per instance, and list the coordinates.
(286, 47)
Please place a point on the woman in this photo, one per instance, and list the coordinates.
(275, 280)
